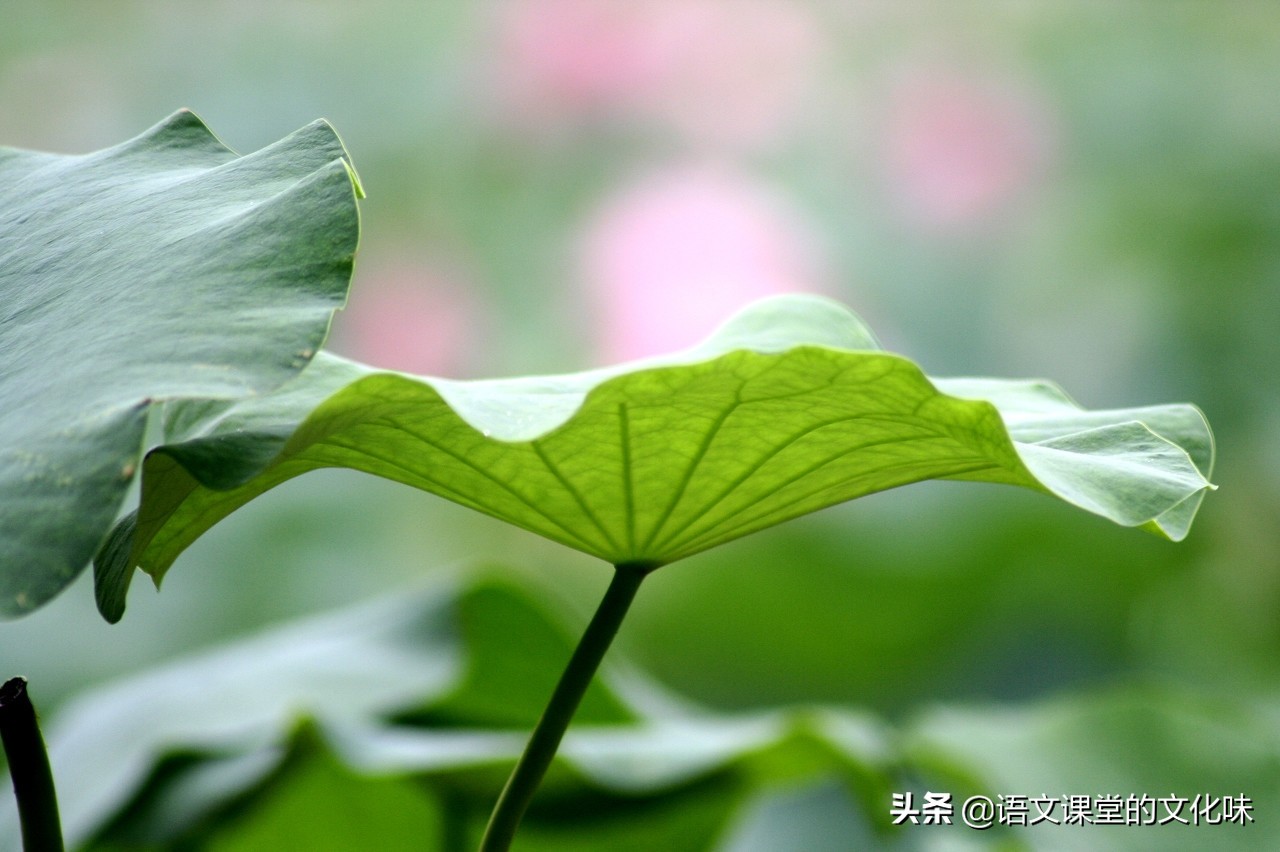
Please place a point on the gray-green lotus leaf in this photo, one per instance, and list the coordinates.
(167, 267)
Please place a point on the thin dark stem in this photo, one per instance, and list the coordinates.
(564, 701)
(29, 768)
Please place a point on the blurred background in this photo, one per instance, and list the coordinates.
(1088, 193)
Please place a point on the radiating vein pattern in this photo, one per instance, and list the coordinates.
(655, 462)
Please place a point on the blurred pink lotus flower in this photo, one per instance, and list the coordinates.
(958, 150)
(731, 72)
(412, 317)
(670, 258)
(572, 56)
(719, 72)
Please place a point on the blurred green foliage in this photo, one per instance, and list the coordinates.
(1136, 247)
(394, 722)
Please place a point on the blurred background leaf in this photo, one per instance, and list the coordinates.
(1081, 192)
(410, 702)
(395, 723)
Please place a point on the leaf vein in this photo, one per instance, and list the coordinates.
(695, 543)
(628, 495)
(692, 468)
(577, 496)
(585, 545)
(754, 468)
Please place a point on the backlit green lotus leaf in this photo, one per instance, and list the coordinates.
(790, 407)
(168, 267)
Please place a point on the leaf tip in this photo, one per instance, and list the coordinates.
(113, 569)
(356, 184)
(322, 127)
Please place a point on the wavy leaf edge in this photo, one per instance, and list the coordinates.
(74, 437)
(1159, 457)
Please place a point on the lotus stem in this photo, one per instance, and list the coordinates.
(29, 768)
(568, 693)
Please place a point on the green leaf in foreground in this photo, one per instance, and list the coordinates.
(790, 407)
(168, 267)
